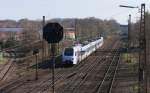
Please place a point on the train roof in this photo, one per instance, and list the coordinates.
(86, 43)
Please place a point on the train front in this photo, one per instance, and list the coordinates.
(68, 56)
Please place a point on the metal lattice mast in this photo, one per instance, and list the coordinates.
(142, 54)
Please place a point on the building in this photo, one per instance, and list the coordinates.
(69, 33)
(124, 31)
(10, 33)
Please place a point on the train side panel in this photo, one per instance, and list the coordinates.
(79, 53)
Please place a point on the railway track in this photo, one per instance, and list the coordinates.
(80, 76)
(80, 84)
(83, 86)
(71, 76)
(5, 70)
(7, 87)
(12, 85)
(44, 83)
(105, 86)
(47, 84)
(75, 78)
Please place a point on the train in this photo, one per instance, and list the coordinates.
(77, 53)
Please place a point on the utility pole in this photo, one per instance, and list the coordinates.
(36, 74)
(75, 29)
(142, 54)
(129, 34)
(129, 31)
(35, 52)
(43, 51)
(53, 51)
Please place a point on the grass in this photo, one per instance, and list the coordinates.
(135, 88)
(130, 58)
(48, 63)
(2, 60)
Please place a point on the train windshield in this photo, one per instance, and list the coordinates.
(68, 52)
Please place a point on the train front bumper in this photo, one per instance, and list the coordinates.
(67, 62)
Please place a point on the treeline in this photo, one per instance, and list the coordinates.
(90, 27)
(29, 34)
(86, 29)
(135, 31)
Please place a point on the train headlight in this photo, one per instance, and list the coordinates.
(72, 59)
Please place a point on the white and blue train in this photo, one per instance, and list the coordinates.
(77, 53)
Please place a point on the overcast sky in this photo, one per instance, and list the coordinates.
(103, 9)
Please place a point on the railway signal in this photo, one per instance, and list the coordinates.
(53, 33)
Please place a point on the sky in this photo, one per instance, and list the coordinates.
(103, 9)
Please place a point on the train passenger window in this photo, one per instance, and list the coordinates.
(68, 52)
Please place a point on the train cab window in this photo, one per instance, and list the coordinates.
(68, 52)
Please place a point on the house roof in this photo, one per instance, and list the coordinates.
(11, 29)
(69, 29)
